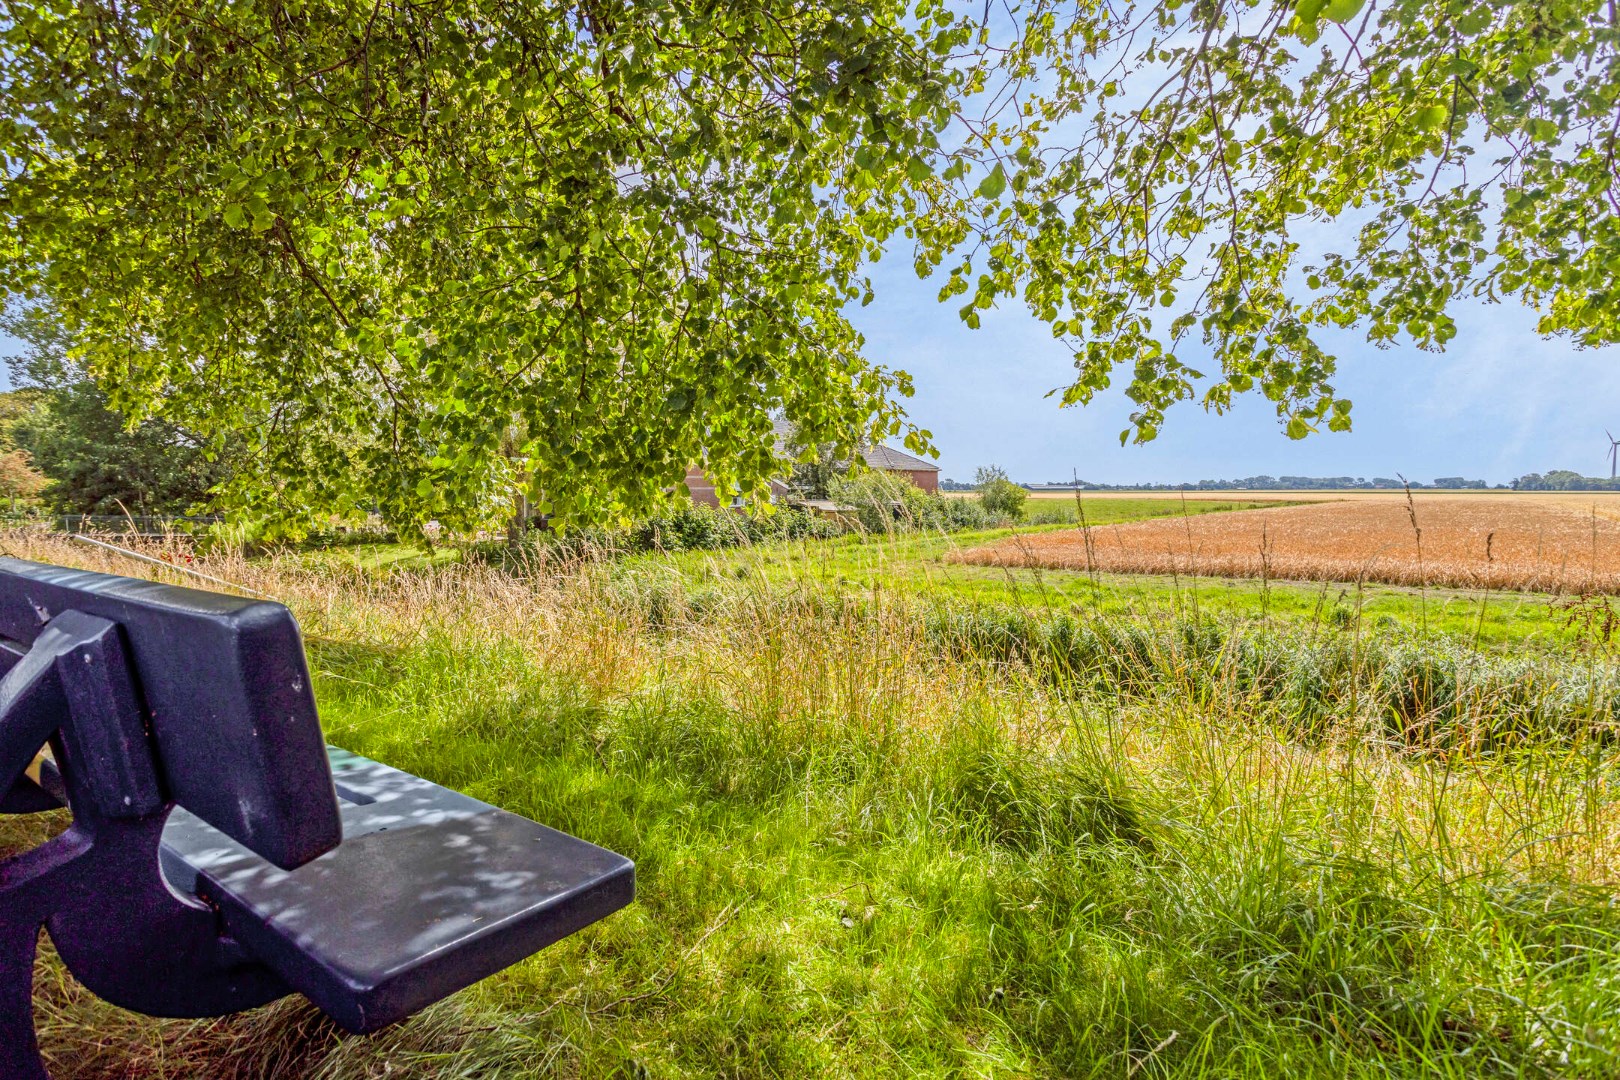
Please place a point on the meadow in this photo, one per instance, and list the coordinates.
(895, 815)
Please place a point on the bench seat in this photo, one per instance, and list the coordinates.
(429, 892)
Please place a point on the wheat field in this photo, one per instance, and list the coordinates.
(1563, 543)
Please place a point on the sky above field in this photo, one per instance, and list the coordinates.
(1499, 402)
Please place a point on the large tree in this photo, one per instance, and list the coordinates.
(60, 427)
(98, 464)
(424, 252)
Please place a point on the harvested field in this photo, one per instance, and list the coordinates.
(1557, 544)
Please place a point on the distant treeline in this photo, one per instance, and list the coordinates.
(1564, 480)
(1555, 480)
(1266, 483)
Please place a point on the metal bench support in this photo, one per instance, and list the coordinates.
(118, 927)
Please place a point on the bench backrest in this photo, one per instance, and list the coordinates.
(225, 692)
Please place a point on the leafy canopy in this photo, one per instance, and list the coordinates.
(1153, 179)
(423, 253)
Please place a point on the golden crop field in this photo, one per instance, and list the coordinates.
(1554, 542)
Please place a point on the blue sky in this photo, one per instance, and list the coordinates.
(1501, 401)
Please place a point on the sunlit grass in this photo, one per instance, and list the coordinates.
(922, 565)
(902, 831)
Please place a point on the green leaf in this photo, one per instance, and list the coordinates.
(1342, 11)
(1428, 117)
(994, 184)
(1305, 19)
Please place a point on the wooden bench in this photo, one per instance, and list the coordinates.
(221, 855)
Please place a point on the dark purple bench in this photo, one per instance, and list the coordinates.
(221, 855)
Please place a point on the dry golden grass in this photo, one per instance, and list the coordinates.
(1558, 543)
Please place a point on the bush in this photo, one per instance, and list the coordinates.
(1003, 499)
(689, 528)
(1000, 497)
(887, 504)
(706, 528)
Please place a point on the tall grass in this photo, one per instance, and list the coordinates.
(879, 833)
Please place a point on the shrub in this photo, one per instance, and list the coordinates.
(705, 528)
(1000, 497)
(887, 504)
(688, 528)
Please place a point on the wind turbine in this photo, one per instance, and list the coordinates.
(1614, 454)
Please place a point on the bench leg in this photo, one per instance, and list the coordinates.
(29, 884)
(19, 1049)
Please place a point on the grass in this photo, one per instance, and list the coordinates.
(372, 556)
(923, 566)
(909, 831)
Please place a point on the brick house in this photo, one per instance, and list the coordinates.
(914, 470)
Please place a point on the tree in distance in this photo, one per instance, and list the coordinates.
(18, 477)
(415, 256)
(1000, 496)
(60, 428)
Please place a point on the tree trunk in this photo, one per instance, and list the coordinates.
(520, 518)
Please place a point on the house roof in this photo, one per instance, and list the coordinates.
(882, 458)
(888, 459)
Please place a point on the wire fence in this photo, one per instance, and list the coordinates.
(121, 524)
